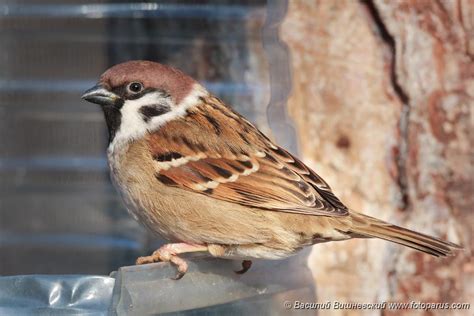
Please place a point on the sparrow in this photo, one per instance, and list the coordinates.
(196, 172)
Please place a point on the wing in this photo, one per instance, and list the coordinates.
(235, 162)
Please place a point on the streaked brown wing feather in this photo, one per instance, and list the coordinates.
(251, 171)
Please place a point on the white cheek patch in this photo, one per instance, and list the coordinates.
(134, 126)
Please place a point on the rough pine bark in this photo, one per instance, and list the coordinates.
(382, 102)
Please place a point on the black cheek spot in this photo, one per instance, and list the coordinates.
(149, 111)
(208, 191)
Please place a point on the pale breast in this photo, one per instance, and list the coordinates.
(133, 176)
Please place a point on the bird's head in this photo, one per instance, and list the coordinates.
(140, 96)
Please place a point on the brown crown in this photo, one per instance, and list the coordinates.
(151, 75)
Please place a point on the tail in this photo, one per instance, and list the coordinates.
(365, 226)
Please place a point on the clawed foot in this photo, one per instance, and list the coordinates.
(246, 264)
(169, 253)
(165, 255)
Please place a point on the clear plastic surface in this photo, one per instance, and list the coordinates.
(55, 295)
(212, 286)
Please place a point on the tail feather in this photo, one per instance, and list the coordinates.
(366, 226)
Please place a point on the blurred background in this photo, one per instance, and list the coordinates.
(380, 106)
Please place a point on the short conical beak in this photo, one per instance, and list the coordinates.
(99, 95)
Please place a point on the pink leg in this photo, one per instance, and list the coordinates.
(169, 253)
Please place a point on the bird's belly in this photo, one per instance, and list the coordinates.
(186, 217)
(179, 216)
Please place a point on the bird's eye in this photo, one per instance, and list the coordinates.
(135, 87)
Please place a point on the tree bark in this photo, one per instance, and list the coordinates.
(382, 103)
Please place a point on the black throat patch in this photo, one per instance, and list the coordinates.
(113, 118)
